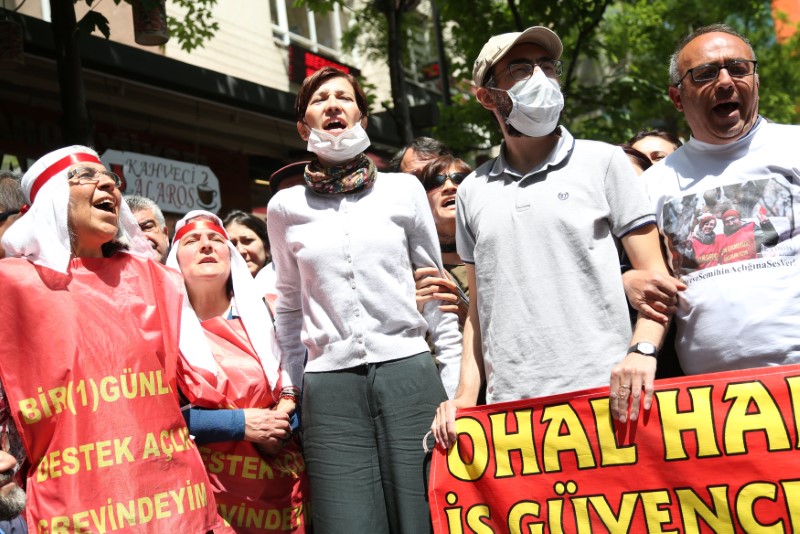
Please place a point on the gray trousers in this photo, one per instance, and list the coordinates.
(362, 431)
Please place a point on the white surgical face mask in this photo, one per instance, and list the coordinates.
(338, 148)
(537, 104)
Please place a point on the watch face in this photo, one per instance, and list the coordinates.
(645, 348)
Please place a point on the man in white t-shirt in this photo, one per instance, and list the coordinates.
(743, 309)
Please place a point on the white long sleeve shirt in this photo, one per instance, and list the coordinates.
(344, 265)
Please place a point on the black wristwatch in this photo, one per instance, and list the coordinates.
(644, 348)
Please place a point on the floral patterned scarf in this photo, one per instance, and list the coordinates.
(351, 177)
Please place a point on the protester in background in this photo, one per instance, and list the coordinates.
(248, 234)
(227, 367)
(654, 144)
(12, 453)
(638, 160)
(441, 178)
(287, 176)
(84, 303)
(11, 201)
(12, 497)
(151, 222)
(344, 248)
(651, 294)
(413, 157)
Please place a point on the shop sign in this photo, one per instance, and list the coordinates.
(304, 63)
(176, 186)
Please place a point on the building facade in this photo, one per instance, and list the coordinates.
(224, 110)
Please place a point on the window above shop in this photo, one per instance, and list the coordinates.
(315, 31)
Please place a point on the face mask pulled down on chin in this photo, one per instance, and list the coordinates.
(536, 105)
(338, 148)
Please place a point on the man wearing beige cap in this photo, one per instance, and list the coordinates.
(537, 227)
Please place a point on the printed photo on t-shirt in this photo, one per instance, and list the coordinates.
(731, 224)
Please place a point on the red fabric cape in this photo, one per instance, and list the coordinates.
(254, 492)
(88, 362)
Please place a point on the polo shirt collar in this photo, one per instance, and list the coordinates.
(562, 150)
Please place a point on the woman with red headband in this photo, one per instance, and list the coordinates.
(90, 347)
(227, 367)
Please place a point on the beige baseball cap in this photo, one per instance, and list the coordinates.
(499, 45)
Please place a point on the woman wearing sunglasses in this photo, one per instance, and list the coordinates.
(441, 178)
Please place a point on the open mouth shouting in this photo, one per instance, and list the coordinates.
(335, 126)
(106, 204)
(726, 109)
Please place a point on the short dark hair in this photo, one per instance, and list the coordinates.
(666, 136)
(674, 74)
(637, 158)
(441, 164)
(420, 145)
(312, 82)
(256, 224)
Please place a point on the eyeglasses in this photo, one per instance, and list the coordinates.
(738, 68)
(438, 181)
(522, 71)
(6, 214)
(88, 175)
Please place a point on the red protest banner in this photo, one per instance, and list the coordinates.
(716, 453)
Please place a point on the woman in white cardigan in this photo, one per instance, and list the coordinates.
(345, 246)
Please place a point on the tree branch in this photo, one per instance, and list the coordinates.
(583, 35)
(512, 5)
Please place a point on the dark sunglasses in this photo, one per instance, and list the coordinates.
(6, 214)
(438, 181)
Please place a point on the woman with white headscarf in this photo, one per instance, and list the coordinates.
(227, 365)
(90, 347)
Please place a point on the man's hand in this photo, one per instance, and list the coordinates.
(653, 294)
(431, 286)
(634, 374)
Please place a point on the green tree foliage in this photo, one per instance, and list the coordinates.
(616, 61)
(76, 124)
(191, 30)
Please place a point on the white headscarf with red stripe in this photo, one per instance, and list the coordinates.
(249, 304)
(42, 234)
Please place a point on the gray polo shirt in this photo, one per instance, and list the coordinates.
(553, 314)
